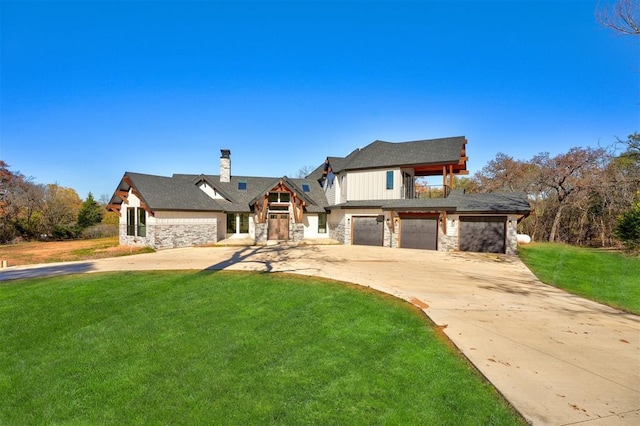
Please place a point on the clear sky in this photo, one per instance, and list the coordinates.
(90, 90)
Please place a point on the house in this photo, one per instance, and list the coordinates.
(373, 196)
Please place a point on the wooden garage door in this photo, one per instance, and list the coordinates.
(368, 231)
(482, 234)
(419, 233)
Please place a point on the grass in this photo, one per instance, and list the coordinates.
(33, 252)
(228, 348)
(606, 277)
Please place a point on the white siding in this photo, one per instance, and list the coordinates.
(132, 201)
(310, 222)
(372, 185)
(330, 192)
(210, 191)
(343, 189)
(180, 218)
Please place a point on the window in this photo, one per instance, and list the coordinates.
(242, 185)
(131, 221)
(279, 197)
(390, 179)
(244, 223)
(306, 187)
(322, 223)
(136, 222)
(278, 207)
(231, 223)
(237, 223)
(142, 223)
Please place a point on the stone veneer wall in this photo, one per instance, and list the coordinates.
(297, 232)
(131, 240)
(336, 231)
(394, 237)
(172, 235)
(182, 235)
(512, 237)
(449, 241)
(387, 239)
(261, 233)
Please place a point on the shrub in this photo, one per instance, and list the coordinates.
(99, 231)
(628, 228)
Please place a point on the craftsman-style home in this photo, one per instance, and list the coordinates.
(373, 196)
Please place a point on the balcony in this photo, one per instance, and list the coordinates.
(425, 191)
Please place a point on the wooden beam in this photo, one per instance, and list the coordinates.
(124, 195)
(444, 222)
(444, 176)
(265, 207)
(114, 207)
(450, 177)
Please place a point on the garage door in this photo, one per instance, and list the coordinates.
(482, 234)
(368, 231)
(419, 233)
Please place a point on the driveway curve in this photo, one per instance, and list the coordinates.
(559, 359)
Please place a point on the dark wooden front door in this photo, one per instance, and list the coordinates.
(278, 226)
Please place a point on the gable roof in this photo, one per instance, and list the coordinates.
(165, 193)
(389, 154)
(240, 201)
(381, 154)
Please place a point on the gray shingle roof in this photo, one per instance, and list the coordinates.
(388, 154)
(165, 193)
(512, 202)
(458, 202)
(241, 200)
(379, 154)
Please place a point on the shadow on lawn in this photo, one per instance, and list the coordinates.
(277, 258)
(45, 271)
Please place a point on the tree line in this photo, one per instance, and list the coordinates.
(586, 196)
(32, 211)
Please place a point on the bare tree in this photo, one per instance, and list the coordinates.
(305, 171)
(567, 177)
(622, 16)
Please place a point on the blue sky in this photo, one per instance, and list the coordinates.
(92, 89)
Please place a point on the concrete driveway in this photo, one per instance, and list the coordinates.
(558, 358)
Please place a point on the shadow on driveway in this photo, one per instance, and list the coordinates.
(46, 271)
(264, 258)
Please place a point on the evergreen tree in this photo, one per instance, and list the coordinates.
(628, 229)
(90, 213)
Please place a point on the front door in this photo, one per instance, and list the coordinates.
(279, 226)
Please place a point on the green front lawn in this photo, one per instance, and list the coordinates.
(228, 348)
(607, 277)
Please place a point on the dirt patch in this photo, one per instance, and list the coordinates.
(30, 253)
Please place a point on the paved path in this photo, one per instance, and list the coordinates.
(558, 358)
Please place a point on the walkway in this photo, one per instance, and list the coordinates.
(558, 358)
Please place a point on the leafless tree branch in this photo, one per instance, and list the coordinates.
(622, 16)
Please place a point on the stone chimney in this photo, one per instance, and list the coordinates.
(225, 165)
